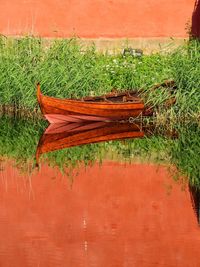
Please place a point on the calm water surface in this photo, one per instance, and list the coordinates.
(120, 211)
(111, 215)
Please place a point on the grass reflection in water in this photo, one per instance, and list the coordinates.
(19, 139)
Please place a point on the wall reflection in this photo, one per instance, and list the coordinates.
(113, 215)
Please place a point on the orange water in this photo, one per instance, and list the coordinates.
(113, 215)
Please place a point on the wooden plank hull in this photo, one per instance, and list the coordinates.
(90, 109)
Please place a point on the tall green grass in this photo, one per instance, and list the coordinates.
(65, 68)
(185, 67)
(19, 61)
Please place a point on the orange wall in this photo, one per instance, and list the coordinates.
(96, 18)
(112, 216)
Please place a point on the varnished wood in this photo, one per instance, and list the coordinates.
(113, 106)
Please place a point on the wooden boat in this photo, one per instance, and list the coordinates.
(110, 107)
(61, 135)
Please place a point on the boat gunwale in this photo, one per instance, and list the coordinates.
(92, 103)
(42, 97)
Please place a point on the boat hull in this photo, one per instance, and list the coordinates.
(66, 110)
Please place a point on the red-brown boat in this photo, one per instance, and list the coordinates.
(110, 107)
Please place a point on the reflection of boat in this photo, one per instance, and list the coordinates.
(110, 107)
(58, 136)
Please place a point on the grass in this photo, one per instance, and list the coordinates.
(185, 66)
(185, 153)
(67, 69)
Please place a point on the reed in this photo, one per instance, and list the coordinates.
(65, 68)
(185, 66)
